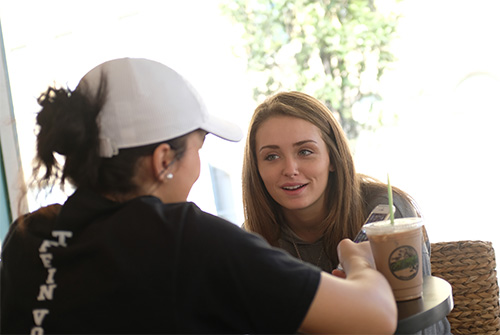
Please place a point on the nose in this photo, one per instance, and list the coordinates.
(290, 168)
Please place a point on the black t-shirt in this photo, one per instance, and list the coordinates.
(147, 267)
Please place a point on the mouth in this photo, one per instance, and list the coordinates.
(294, 187)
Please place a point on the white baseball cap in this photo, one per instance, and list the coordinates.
(147, 102)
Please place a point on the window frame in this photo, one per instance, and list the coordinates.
(12, 202)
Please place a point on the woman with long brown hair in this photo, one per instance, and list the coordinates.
(301, 191)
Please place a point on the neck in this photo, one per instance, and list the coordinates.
(145, 187)
(307, 226)
(121, 197)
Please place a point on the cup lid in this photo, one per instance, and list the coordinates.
(400, 224)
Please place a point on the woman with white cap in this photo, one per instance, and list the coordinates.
(126, 253)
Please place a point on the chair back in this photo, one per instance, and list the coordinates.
(469, 266)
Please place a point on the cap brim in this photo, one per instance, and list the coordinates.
(222, 128)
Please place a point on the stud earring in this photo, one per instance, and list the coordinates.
(167, 176)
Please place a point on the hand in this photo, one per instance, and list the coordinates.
(364, 295)
(349, 251)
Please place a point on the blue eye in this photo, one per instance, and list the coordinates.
(305, 152)
(271, 157)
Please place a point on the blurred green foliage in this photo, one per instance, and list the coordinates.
(336, 51)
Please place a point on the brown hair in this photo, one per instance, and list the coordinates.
(262, 214)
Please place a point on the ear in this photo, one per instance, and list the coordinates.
(162, 158)
(331, 168)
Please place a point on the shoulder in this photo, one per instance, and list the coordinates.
(44, 215)
(27, 233)
(196, 218)
(228, 235)
(195, 224)
(39, 222)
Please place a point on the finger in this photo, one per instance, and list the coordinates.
(339, 273)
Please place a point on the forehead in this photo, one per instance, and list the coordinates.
(286, 129)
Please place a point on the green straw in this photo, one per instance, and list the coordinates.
(389, 193)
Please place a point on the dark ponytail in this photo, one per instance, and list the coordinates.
(67, 125)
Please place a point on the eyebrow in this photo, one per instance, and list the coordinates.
(297, 144)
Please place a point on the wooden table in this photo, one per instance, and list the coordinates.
(435, 303)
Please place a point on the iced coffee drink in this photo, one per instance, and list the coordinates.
(397, 250)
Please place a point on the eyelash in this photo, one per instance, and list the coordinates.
(270, 157)
(303, 152)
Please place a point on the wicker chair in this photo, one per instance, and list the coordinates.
(469, 266)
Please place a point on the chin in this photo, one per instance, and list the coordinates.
(295, 207)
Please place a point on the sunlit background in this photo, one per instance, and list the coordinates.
(444, 88)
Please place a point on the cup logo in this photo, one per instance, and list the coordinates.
(404, 262)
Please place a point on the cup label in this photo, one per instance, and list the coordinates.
(404, 262)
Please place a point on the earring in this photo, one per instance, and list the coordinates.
(167, 176)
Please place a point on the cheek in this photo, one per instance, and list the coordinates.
(326, 173)
(192, 165)
(319, 171)
(197, 163)
(266, 175)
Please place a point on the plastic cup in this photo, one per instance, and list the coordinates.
(397, 250)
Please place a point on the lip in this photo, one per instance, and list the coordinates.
(293, 188)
